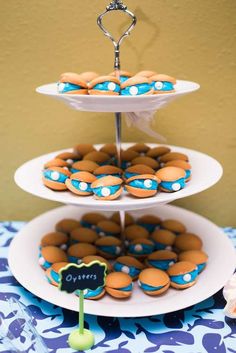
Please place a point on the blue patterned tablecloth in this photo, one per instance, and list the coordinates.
(198, 329)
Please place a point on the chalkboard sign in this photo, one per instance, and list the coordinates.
(84, 276)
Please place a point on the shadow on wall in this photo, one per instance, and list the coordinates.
(151, 31)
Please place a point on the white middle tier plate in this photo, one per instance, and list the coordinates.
(206, 171)
(105, 103)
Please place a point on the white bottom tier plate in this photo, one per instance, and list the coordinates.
(206, 171)
(23, 262)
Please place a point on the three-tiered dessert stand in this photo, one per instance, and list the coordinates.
(206, 171)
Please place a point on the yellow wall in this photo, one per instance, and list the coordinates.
(194, 40)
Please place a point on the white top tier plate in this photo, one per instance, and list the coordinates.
(118, 103)
(206, 171)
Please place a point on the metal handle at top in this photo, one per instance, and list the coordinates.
(114, 6)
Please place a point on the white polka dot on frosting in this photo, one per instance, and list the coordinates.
(55, 176)
(63, 246)
(133, 90)
(168, 247)
(41, 261)
(105, 191)
(83, 186)
(125, 269)
(171, 263)
(79, 261)
(176, 186)
(148, 183)
(61, 86)
(118, 249)
(85, 291)
(111, 86)
(138, 247)
(70, 161)
(102, 234)
(187, 277)
(158, 85)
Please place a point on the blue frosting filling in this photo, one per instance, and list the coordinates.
(168, 185)
(48, 175)
(73, 170)
(113, 189)
(150, 227)
(139, 183)
(142, 88)
(112, 249)
(146, 249)
(86, 224)
(166, 86)
(103, 175)
(77, 185)
(68, 87)
(104, 86)
(93, 293)
(73, 259)
(128, 288)
(161, 264)
(146, 287)
(187, 174)
(200, 267)
(180, 280)
(160, 246)
(123, 78)
(133, 271)
(128, 175)
(55, 276)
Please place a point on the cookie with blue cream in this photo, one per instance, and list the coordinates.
(91, 219)
(198, 257)
(83, 148)
(148, 161)
(171, 156)
(57, 239)
(135, 231)
(72, 83)
(107, 188)
(157, 152)
(49, 255)
(141, 148)
(122, 75)
(163, 84)
(161, 259)
(153, 281)
(56, 162)
(183, 274)
(136, 86)
(174, 226)
(145, 185)
(126, 158)
(80, 183)
(108, 227)
(109, 247)
(88, 75)
(119, 285)
(101, 158)
(129, 265)
(66, 225)
(172, 179)
(77, 252)
(140, 248)
(188, 241)
(137, 169)
(52, 273)
(105, 85)
(181, 164)
(150, 222)
(163, 239)
(83, 235)
(109, 148)
(83, 166)
(69, 157)
(55, 178)
(91, 258)
(107, 170)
